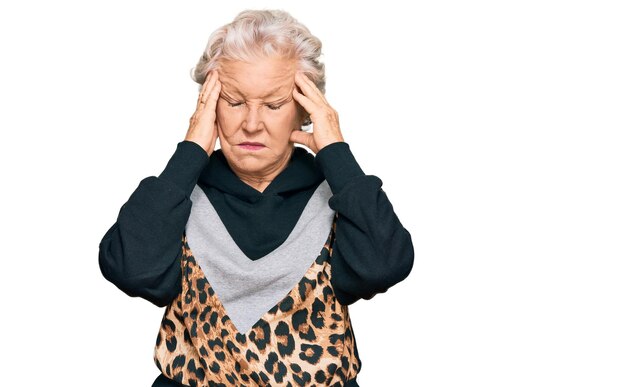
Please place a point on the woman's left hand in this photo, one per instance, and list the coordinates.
(324, 118)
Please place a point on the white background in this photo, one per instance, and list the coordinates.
(497, 127)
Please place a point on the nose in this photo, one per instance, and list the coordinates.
(253, 120)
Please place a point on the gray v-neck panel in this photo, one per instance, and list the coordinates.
(247, 288)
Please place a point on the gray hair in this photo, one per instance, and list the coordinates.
(255, 34)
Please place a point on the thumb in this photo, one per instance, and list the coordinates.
(304, 138)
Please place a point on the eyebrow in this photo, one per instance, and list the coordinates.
(276, 101)
(263, 97)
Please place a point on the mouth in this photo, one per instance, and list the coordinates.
(251, 145)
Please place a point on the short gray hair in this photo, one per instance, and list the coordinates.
(255, 34)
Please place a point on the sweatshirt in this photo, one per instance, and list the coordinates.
(143, 253)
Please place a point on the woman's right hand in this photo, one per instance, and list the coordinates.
(203, 124)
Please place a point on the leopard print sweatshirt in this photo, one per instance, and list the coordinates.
(269, 322)
(278, 315)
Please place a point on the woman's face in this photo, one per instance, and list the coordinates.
(256, 105)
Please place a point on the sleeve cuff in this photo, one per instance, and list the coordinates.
(338, 165)
(185, 166)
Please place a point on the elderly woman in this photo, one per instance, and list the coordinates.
(257, 248)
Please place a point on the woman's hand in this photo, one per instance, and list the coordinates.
(325, 119)
(203, 124)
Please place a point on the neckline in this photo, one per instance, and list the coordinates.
(300, 173)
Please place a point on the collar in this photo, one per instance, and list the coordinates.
(301, 173)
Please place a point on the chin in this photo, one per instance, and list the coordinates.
(248, 163)
(255, 162)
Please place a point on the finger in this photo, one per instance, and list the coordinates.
(309, 88)
(207, 85)
(209, 82)
(214, 94)
(303, 138)
(303, 100)
(204, 85)
(209, 104)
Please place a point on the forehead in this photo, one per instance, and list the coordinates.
(264, 78)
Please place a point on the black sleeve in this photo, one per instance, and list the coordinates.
(372, 250)
(141, 252)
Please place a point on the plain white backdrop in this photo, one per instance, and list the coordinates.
(497, 128)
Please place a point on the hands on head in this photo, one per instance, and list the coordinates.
(203, 125)
(325, 119)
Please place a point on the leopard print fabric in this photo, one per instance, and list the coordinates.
(304, 340)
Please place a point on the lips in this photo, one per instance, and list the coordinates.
(251, 146)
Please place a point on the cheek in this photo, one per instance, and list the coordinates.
(281, 125)
(228, 120)
(289, 117)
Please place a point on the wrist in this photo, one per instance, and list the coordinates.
(185, 165)
(338, 165)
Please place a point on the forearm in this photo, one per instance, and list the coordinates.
(141, 252)
(372, 251)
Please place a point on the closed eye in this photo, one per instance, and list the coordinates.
(271, 107)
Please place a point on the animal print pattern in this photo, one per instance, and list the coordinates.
(304, 340)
